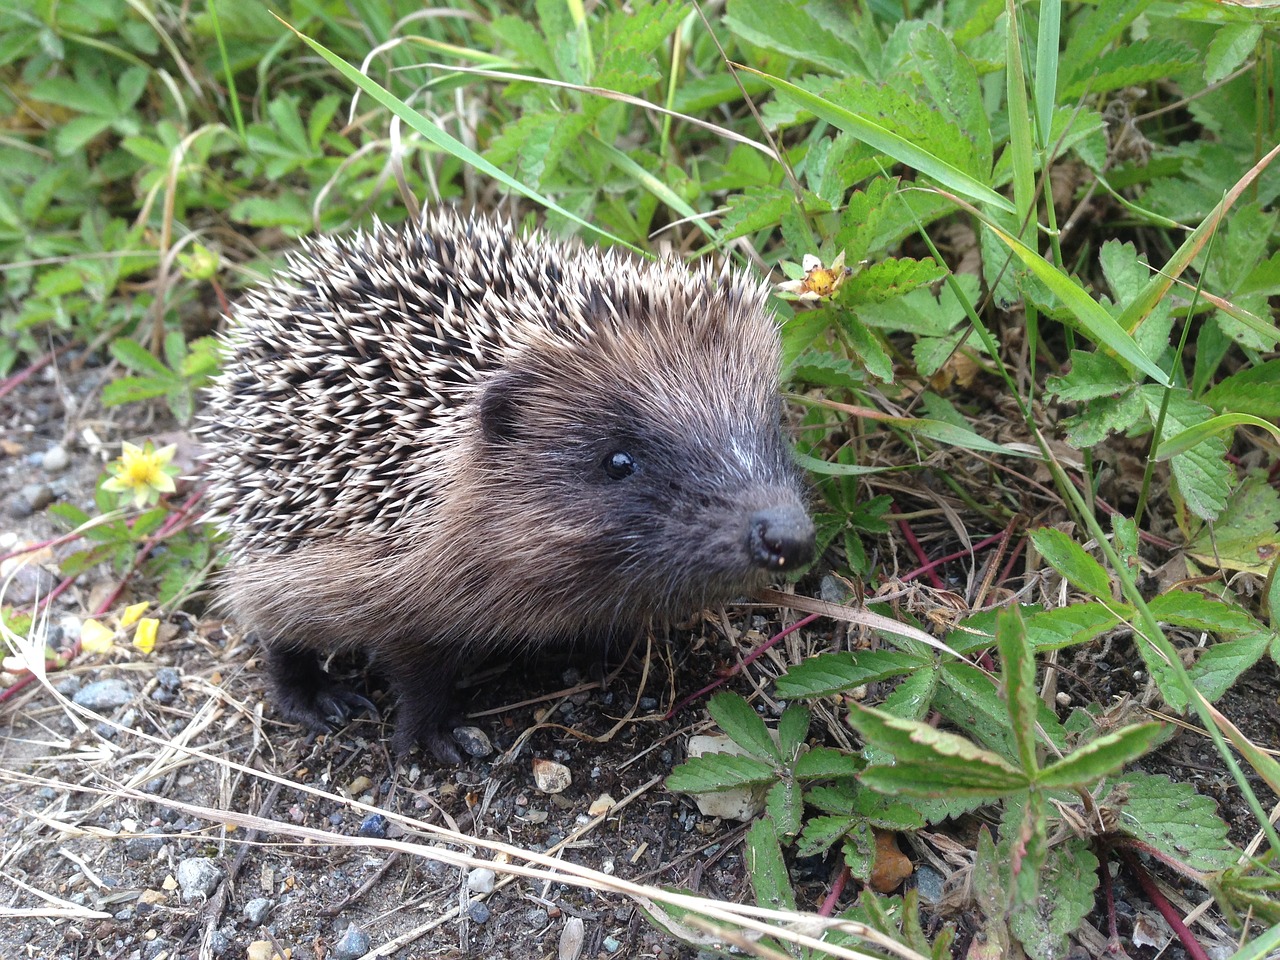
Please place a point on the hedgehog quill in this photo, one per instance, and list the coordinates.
(443, 441)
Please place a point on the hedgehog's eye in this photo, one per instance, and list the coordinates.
(618, 465)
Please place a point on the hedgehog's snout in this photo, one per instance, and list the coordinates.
(780, 538)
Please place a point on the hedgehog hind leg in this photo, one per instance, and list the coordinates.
(425, 708)
(307, 694)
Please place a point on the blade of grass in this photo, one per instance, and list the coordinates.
(887, 142)
(444, 140)
(1093, 318)
(1224, 423)
(1046, 78)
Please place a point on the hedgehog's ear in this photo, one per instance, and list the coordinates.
(500, 403)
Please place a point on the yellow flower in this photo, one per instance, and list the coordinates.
(133, 612)
(142, 473)
(95, 638)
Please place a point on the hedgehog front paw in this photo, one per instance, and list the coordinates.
(324, 709)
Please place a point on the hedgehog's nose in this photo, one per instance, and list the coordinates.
(780, 538)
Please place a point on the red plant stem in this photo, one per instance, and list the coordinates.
(164, 530)
(1108, 894)
(1171, 916)
(1007, 572)
(32, 548)
(837, 888)
(804, 622)
(967, 552)
(8, 385)
(914, 545)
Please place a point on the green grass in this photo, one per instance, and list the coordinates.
(1073, 220)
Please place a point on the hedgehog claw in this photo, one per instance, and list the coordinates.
(338, 705)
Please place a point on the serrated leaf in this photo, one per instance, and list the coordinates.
(826, 763)
(930, 762)
(1099, 758)
(859, 851)
(719, 771)
(784, 27)
(1245, 536)
(756, 208)
(1070, 559)
(953, 84)
(133, 390)
(793, 727)
(1221, 664)
(1198, 611)
(889, 279)
(821, 832)
(767, 869)
(1136, 63)
(739, 720)
(867, 347)
(1069, 878)
(138, 358)
(826, 370)
(1255, 390)
(1175, 819)
(1073, 624)
(830, 673)
(783, 805)
(1204, 474)
(1103, 417)
(1228, 49)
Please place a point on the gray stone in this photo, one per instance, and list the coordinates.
(169, 678)
(55, 459)
(373, 826)
(479, 912)
(198, 877)
(929, 884)
(18, 508)
(353, 943)
(37, 495)
(481, 880)
(256, 910)
(145, 846)
(103, 695)
(473, 741)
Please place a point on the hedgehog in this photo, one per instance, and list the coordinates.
(444, 441)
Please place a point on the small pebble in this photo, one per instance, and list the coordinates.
(145, 846)
(353, 943)
(198, 877)
(103, 695)
(479, 912)
(55, 460)
(37, 495)
(256, 910)
(929, 884)
(373, 826)
(474, 741)
(219, 943)
(647, 704)
(551, 777)
(611, 944)
(481, 880)
(169, 678)
(18, 508)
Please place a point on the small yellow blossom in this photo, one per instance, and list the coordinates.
(133, 612)
(142, 473)
(144, 638)
(96, 638)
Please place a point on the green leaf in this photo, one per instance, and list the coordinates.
(1092, 375)
(889, 279)
(789, 29)
(754, 209)
(868, 347)
(793, 727)
(1084, 767)
(739, 720)
(719, 771)
(821, 832)
(953, 83)
(1255, 389)
(931, 762)
(889, 143)
(1203, 473)
(784, 805)
(1197, 611)
(1070, 559)
(1073, 624)
(1245, 535)
(830, 673)
(1135, 63)
(1175, 819)
(1228, 49)
(138, 358)
(1221, 664)
(1069, 877)
(1018, 667)
(767, 869)
(133, 390)
(826, 763)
